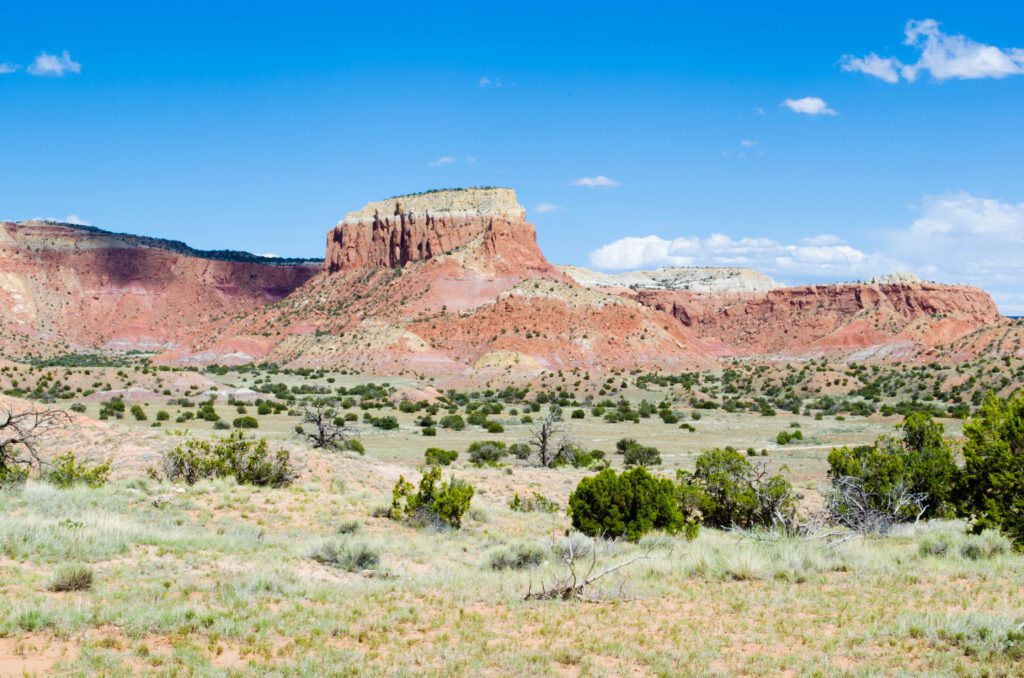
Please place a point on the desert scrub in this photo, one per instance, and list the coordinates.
(435, 503)
(248, 460)
(67, 472)
(71, 577)
(520, 556)
(347, 554)
(953, 544)
(534, 502)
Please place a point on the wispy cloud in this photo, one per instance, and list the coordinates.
(600, 181)
(544, 207)
(749, 143)
(942, 55)
(54, 66)
(444, 160)
(882, 68)
(488, 82)
(8, 67)
(809, 106)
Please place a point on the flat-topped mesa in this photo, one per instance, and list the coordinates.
(689, 278)
(391, 233)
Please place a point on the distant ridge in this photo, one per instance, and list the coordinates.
(179, 247)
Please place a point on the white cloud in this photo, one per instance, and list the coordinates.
(822, 256)
(943, 56)
(758, 110)
(444, 160)
(8, 67)
(77, 220)
(809, 106)
(600, 181)
(749, 143)
(954, 238)
(54, 66)
(269, 255)
(470, 159)
(489, 82)
(884, 69)
(545, 207)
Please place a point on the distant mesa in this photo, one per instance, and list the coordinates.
(690, 278)
(896, 278)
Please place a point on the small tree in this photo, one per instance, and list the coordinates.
(542, 439)
(992, 487)
(629, 505)
(919, 460)
(20, 435)
(323, 430)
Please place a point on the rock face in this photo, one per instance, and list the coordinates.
(695, 279)
(77, 288)
(886, 319)
(394, 232)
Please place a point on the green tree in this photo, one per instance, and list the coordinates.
(992, 485)
(629, 505)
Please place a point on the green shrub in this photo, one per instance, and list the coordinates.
(248, 460)
(786, 437)
(437, 456)
(453, 421)
(163, 415)
(516, 557)
(920, 460)
(435, 503)
(520, 450)
(486, 452)
(353, 445)
(493, 427)
(429, 431)
(245, 422)
(642, 455)
(992, 486)
(345, 554)
(71, 577)
(535, 502)
(66, 472)
(629, 505)
(725, 490)
(138, 413)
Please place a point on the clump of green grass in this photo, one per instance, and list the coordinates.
(348, 555)
(71, 577)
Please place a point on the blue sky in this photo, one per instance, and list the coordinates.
(257, 126)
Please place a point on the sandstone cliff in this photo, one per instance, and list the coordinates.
(872, 320)
(391, 233)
